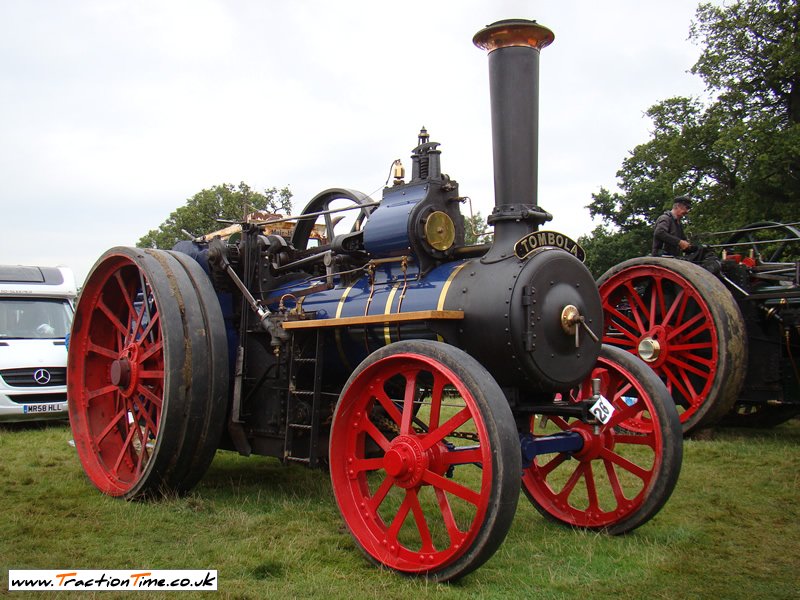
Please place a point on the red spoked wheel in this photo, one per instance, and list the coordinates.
(686, 326)
(619, 479)
(147, 373)
(425, 460)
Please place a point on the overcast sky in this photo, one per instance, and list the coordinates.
(113, 113)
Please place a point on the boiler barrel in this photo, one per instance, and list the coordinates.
(512, 319)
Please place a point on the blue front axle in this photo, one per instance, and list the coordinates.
(532, 446)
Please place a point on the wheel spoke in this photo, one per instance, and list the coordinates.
(464, 456)
(629, 340)
(449, 427)
(614, 483)
(448, 485)
(106, 389)
(694, 395)
(150, 374)
(684, 305)
(436, 401)
(145, 339)
(559, 422)
(144, 413)
(656, 301)
(637, 439)
(102, 351)
(421, 522)
(455, 535)
(149, 394)
(573, 480)
(635, 302)
(548, 467)
(591, 489)
(688, 367)
(367, 464)
(675, 305)
(125, 292)
(143, 453)
(697, 319)
(372, 431)
(625, 463)
(408, 401)
(677, 385)
(380, 494)
(113, 319)
(389, 406)
(399, 519)
(112, 424)
(622, 413)
(688, 347)
(124, 451)
(704, 330)
(621, 322)
(150, 351)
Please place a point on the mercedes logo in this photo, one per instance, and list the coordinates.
(41, 376)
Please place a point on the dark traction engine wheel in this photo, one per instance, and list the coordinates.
(686, 326)
(425, 460)
(147, 374)
(619, 478)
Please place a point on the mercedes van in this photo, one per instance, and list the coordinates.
(36, 307)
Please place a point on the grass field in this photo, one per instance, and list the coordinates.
(730, 530)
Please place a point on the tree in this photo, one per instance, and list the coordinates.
(605, 248)
(474, 228)
(737, 155)
(203, 211)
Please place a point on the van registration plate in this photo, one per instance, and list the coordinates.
(42, 408)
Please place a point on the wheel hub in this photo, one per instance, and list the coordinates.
(593, 443)
(406, 461)
(649, 349)
(652, 346)
(124, 371)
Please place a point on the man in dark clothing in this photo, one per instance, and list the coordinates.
(668, 237)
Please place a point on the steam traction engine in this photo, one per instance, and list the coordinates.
(430, 377)
(721, 328)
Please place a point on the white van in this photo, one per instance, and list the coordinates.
(36, 307)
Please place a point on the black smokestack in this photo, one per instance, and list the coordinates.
(513, 47)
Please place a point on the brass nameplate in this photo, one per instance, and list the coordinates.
(548, 239)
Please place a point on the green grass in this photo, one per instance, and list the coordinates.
(730, 530)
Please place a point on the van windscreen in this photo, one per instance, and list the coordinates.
(34, 318)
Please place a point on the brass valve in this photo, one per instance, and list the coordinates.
(572, 320)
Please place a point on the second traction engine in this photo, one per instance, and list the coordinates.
(435, 379)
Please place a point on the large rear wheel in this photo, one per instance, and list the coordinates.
(619, 479)
(685, 325)
(147, 374)
(427, 487)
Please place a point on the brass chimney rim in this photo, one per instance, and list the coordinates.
(513, 32)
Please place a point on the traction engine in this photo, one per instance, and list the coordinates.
(720, 326)
(433, 378)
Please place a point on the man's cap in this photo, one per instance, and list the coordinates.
(685, 200)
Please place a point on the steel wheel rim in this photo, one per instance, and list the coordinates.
(570, 488)
(407, 465)
(676, 316)
(118, 380)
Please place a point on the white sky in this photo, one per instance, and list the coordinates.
(113, 113)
